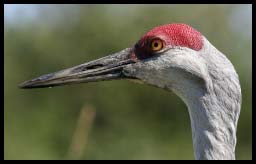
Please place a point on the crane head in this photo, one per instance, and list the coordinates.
(164, 57)
(174, 57)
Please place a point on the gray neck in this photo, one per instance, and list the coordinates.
(214, 109)
(214, 133)
(213, 119)
(214, 106)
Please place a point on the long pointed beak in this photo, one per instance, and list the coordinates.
(106, 68)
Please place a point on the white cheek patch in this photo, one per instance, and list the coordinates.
(160, 70)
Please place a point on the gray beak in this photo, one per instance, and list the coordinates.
(106, 68)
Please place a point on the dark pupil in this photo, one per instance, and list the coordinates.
(155, 44)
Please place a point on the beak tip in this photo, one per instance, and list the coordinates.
(23, 85)
(27, 85)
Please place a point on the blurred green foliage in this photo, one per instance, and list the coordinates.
(132, 121)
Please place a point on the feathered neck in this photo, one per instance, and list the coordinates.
(214, 110)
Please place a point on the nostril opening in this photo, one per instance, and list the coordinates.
(84, 68)
(93, 67)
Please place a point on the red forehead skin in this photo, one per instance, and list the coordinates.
(176, 34)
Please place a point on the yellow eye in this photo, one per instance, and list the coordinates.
(156, 45)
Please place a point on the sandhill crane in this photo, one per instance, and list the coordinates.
(178, 58)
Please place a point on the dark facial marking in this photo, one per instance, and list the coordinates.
(142, 48)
